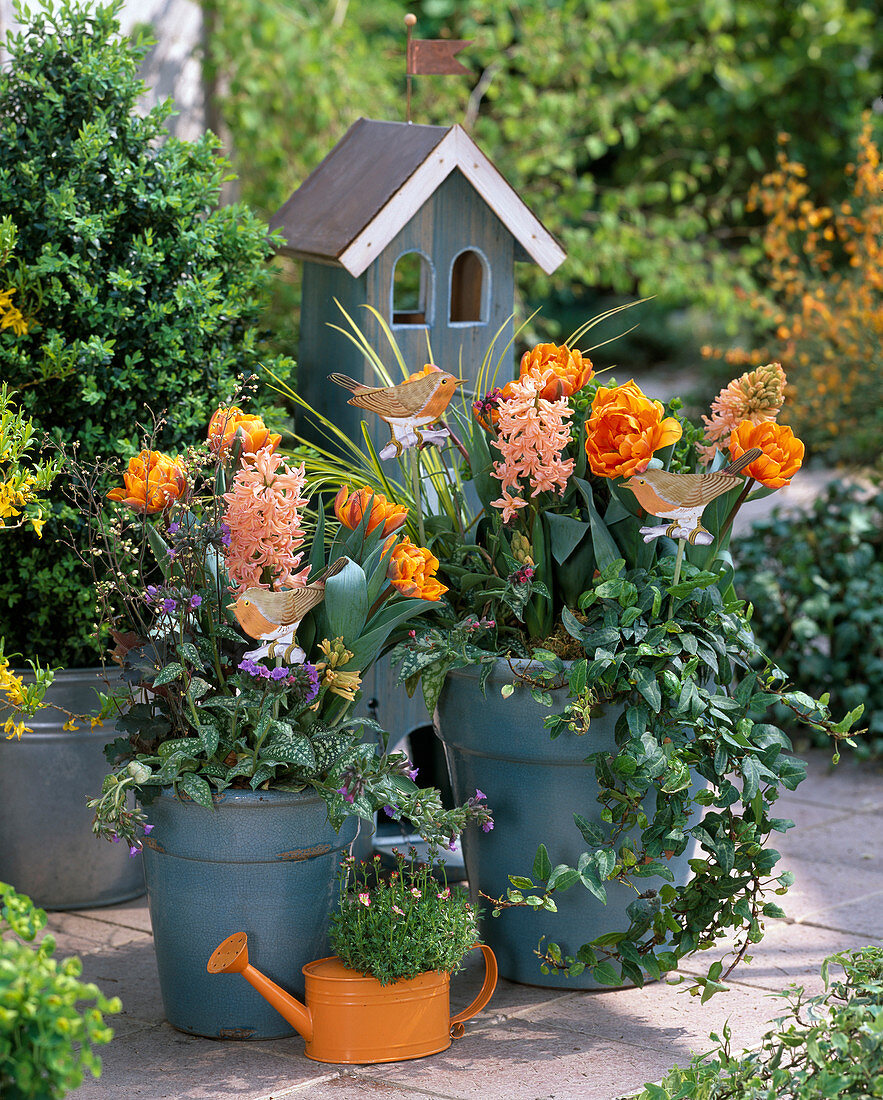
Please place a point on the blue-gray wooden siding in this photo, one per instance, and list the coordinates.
(455, 218)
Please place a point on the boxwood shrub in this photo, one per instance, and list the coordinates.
(138, 290)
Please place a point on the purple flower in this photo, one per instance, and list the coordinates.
(174, 528)
(345, 791)
(169, 605)
(148, 829)
(152, 591)
(226, 535)
(413, 773)
(487, 826)
(134, 850)
(115, 839)
(480, 794)
(278, 673)
(195, 601)
(171, 552)
(390, 811)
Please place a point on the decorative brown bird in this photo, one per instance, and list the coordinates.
(273, 617)
(407, 407)
(683, 498)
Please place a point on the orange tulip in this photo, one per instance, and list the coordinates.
(565, 371)
(625, 429)
(153, 482)
(412, 572)
(228, 424)
(350, 510)
(782, 451)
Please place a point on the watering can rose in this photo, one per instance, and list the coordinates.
(412, 572)
(350, 509)
(228, 424)
(625, 429)
(782, 452)
(153, 482)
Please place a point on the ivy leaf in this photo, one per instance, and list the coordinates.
(542, 865)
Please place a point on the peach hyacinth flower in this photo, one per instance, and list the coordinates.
(756, 396)
(782, 452)
(533, 433)
(625, 429)
(263, 514)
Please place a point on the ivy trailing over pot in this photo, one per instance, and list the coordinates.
(694, 690)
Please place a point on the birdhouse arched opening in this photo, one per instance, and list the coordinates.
(469, 288)
(412, 290)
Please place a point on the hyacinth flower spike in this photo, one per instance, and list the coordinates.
(273, 617)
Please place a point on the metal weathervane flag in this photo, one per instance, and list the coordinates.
(432, 57)
(435, 56)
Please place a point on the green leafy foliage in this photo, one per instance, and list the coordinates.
(403, 925)
(50, 1021)
(821, 1047)
(815, 580)
(649, 119)
(696, 763)
(137, 289)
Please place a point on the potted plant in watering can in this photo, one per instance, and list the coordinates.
(592, 669)
(244, 654)
(384, 996)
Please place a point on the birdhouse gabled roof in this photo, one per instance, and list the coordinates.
(376, 179)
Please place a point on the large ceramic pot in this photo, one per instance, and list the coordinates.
(47, 848)
(534, 785)
(263, 862)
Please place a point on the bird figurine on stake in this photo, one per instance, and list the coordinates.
(407, 408)
(273, 617)
(682, 498)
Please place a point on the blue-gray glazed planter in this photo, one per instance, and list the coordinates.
(47, 848)
(534, 785)
(261, 862)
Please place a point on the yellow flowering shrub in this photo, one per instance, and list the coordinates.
(21, 478)
(823, 306)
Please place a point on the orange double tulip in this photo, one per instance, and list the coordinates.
(228, 424)
(782, 451)
(625, 429)
(153, 482)
(412, 572)
(566, 371)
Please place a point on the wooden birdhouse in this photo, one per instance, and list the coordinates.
(416, 222)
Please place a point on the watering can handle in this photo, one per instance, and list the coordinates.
(490, 984)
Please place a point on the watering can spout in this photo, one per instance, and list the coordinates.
(231, 957)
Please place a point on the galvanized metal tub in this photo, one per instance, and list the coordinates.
(534, 785)
(47, 848)
(261, 862)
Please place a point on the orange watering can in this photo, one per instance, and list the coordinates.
(351, 1018)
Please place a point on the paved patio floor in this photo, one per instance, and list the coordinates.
(530, 1043)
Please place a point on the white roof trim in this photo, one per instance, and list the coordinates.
(455, 150)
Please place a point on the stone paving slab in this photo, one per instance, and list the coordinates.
(530, 1043)
(527, 1059)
